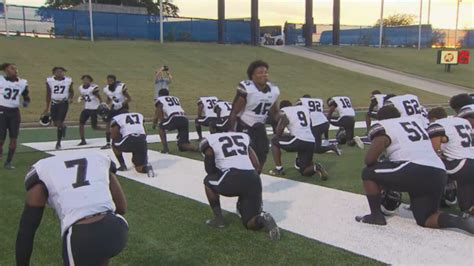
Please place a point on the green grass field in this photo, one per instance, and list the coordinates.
(409, 60)
(198, 69)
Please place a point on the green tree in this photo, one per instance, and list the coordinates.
(169, 9)
(397, 20)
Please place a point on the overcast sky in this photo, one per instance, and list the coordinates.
(353, 12)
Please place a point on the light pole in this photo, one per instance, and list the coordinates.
(5, 14)
(419, 26)
(457, 23)
(381, 25)
(161, 21)
(91, 21)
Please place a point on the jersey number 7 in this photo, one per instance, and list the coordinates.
(81, 172)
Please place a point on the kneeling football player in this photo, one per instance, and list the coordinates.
(205, 113)
(300, 140)
(463, 105)
(128, 135)
(346, 118)
(169, 115)
(412, 166)
(231, 166)
(89, 201)
(451, 139)
(222, 110)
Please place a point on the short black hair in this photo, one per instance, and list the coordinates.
(58, 68)
(376, 92)
(285, 103)
(388, 112)
(110, 76)
(5, 66)
(306, 96)
(254, 65)
(163, 92)
(459, 101)
(437, 113)
(87, 76)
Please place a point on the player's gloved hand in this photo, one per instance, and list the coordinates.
(25, 104)
(117, 106)
(79, 99)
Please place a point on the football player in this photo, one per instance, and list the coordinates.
(230, 163)
(205, 113)
(319, 124)
(59, 94)
(222, 110)
(128, 134)
(118, 97)
(253, 104)
(90, 95)
(89, 201)
(301, 140)
(376, 102)
(451, 139)
(169, 115)
(346, 118)
(12, 88)
(463, 105)
(408, 105)
(412, 166)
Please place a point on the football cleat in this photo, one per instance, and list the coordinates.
(271, 226)
(150, 172)
(371, 219)
(106, 147)
(122, 168)
(217, 223)
(336, 149)
(277, 172)
(8, 166)
(45, 120)
(321, 171)
(82, 143)
(359, 142)
(58, 146)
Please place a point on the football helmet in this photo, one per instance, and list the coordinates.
(103, 110)
(390, 202)
(449, 197)
(341, 137)
(45, 120)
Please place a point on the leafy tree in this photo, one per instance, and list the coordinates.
(169, 9)
(398, 20)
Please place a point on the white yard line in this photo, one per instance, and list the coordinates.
(316, 212)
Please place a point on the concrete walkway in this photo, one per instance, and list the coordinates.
(434, 86)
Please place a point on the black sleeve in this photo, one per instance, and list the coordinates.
(241, 91)
(466, 112)
(377, 130)
(25, 92)
(31, 179)
(373, 103)
(332, 103)
(29, 223)
(436, 130)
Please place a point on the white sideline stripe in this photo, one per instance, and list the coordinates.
(316, 212)
(99, 142)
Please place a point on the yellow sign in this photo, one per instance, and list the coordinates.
(448, 57)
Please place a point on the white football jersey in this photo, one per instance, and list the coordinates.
(10, 92)
(171, 106)
(258, 104)
(409, 141)
(409, 105)
(379, 98)
(77, 185)
(117, 95)
(91, 102)
(460, 143)
(343, 105)
(230, 150)
(59, 88)
(226, 108)
(299, 122)
(316, 110)
(208, 106)
(129, 123)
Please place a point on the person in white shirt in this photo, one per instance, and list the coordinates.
(376, 102)
(12, 89)
(345, 119)
(89, 94)
(300, 140)
(222, 110)
(87, 197)
(59, 94)
(452, 139)
(231, 164)
(412, 166)
(205, 113)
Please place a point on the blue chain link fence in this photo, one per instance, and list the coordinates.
(52, 22)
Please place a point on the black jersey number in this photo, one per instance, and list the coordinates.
(465, 133)
(10, 94)
(315, 106)
(59, 89)
(233, 145)
(302, 118)
(87, 98)
(132, 119)
(346, 103)
(172, 101)
(211, 103)
(227, 105)
(81, 172)
(262, 108)
(412, 107)
(414, 130)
